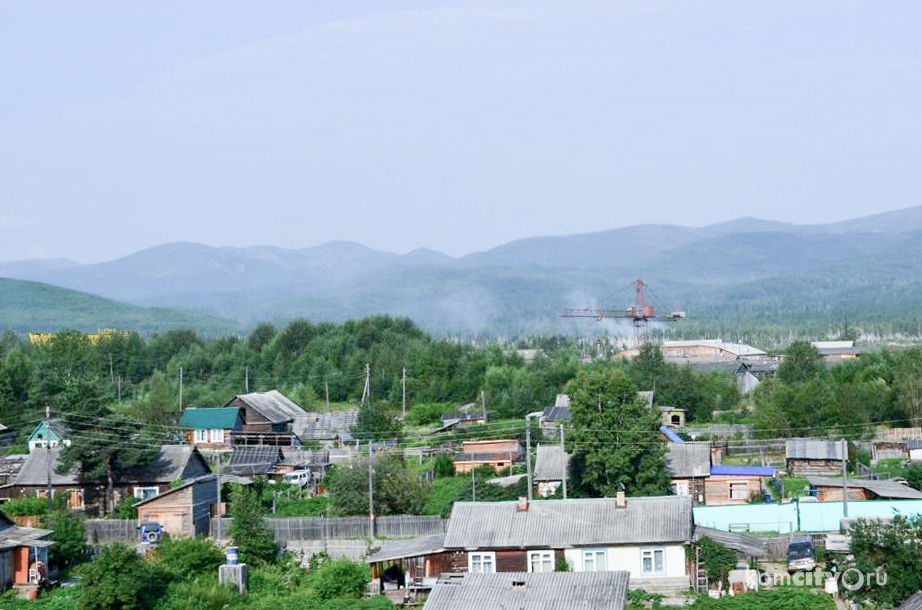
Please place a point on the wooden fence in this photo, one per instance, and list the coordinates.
(342, 528)
(101, 531)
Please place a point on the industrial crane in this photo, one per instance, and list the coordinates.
(639, 313)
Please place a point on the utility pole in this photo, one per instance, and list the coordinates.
(483, 404)
(844, 479)
(527, 455)
(111, 369)
(246, 379)
(366, 391)
(48, 490)
(404, 416)
(326, 388)
(371, 500)
(566, 462)
(473, 486)
(217, 507)
(120, 388)
(180, 389)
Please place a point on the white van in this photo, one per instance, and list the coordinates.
(298, 477)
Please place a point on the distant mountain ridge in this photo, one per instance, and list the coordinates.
(522, 285)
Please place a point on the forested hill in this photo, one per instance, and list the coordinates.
(35, 307)
(742, 273)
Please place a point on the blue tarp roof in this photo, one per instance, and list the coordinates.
(670, 434)
(758, 471)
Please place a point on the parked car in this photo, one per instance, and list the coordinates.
(298, 477)
(150, 533)
(801, 554)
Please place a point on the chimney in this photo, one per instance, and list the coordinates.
(522, 506)
(620, 500)
(518, 585)
(716, 454)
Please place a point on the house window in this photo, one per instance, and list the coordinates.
(739, 490)
(201, 436)
(482, 562)
(653, 561)
(75, 498)
(680, 488)
(217, 436)
(43, 493)
(541, 561)
(594, 561)
(144, 493)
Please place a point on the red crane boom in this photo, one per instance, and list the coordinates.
(639, 313)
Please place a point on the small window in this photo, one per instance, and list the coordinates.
(217, 436)
(739, 491)
(676, 420)
(680, 488)
(541, 561)
(75, 498)
(201, 436)
(145, 493)
(482, 562)
(653, 561)
(594, 561)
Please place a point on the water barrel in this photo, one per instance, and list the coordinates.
(231, 554)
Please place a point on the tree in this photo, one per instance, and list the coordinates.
(117, 579)
(397, 489)
(614, 440)
(69, 538)
(893, 548)
(802, 362)
(248, 529)
(190, 557)
(374, 423)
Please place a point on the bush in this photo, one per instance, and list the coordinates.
(190, 557)
(25, 506)
(125, 509)
(203, 593)
(117, 579)
(338, 579)
(69, 537)
(248, 530)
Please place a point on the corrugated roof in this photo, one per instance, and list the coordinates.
(216, 418)
(168, 465)
(556, 413)
(328, 425)
(258, 454)
(729, 469)
(551, 463)
(883, 489)
(532, 591)
(38, 464)
(747, 545)
(273, 405)
(13, 536)
(689, 459)
(913, 603)
(404, 549)
(812, 449)
(566, 523)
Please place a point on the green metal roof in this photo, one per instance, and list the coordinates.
(210, 418)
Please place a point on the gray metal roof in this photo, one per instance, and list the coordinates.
(13, 536)
(305, 457)
(569, 523)
(551, 463)
(38, 464)
(689, 459)
(913, 603)
(257, 454)
(532, 591)
(747, 545)
(273, 405)
(404, 549)
(556, 413)
(884, 489)
(507, 481)
(812, 449)
(328, 425)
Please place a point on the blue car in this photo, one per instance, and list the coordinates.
(150, 533)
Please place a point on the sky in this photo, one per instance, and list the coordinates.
(455, 125)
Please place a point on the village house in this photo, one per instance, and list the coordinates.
(689, 466)
(211, 429)
(48, 434)
(268, 418)
(831, 489)
(257, 460)
(23, 554)
(329, 429)
(529, 591)
(645, 536)
(183, 511)
(554, 416)
(807, 456)
(171, 463)
(836, 351)
(499, 454)
(551, 469)
(730, 484)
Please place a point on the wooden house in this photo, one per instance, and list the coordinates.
(328, 429)
(527, 591)
(171, 463)
(832, 489)
(807, 456)
(268, 418)
(183, 511)
(551, 469)
(48, 434)
(23, 554)
(211, 429)
(689, 467)
(499, 454)
(645, 536)
(728, 484)
(555, 416)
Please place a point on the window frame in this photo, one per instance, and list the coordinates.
(596, 553)
(489, 556)
(652, 552)
(542, 556)
(738, 484)
(217, 435)
(71, 493)
(199, 436)
(139, 495)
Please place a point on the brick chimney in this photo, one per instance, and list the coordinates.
(620, 500)
(522, 506)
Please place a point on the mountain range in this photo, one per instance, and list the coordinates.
(744, 271)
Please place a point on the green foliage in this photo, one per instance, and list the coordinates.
(117, 579)
(189, 557)
(338, 578)
(397, 487)
(638, 599)
(69, 537)
(562, 565)
(614, 440)
(717, 559)
(893, 548)
(782, 598)
(254, 542)
(202, 593)
(443, 466)
(24, 506)
(125, 509)
(375, 423)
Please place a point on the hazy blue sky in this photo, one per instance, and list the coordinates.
(453, 125)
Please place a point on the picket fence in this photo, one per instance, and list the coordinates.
(101, 531)
(343, 528)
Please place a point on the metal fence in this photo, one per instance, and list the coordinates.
(343, 528)
(101, 531)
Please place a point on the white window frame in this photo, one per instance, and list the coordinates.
(200, 436)
(70, 494)
(744, 485)
(681, 488)
(217, 435)
(140, 495)
(593, 555)
(651, 553)
(544, 560)
(481, 559)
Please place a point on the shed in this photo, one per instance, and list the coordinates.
(808, 456)
(413, 559)
(499, 454)
(689, 465)
(729, 484)
(831, 489)
(256, 460)
(183, 511)
(551, 469)
(21, 548)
